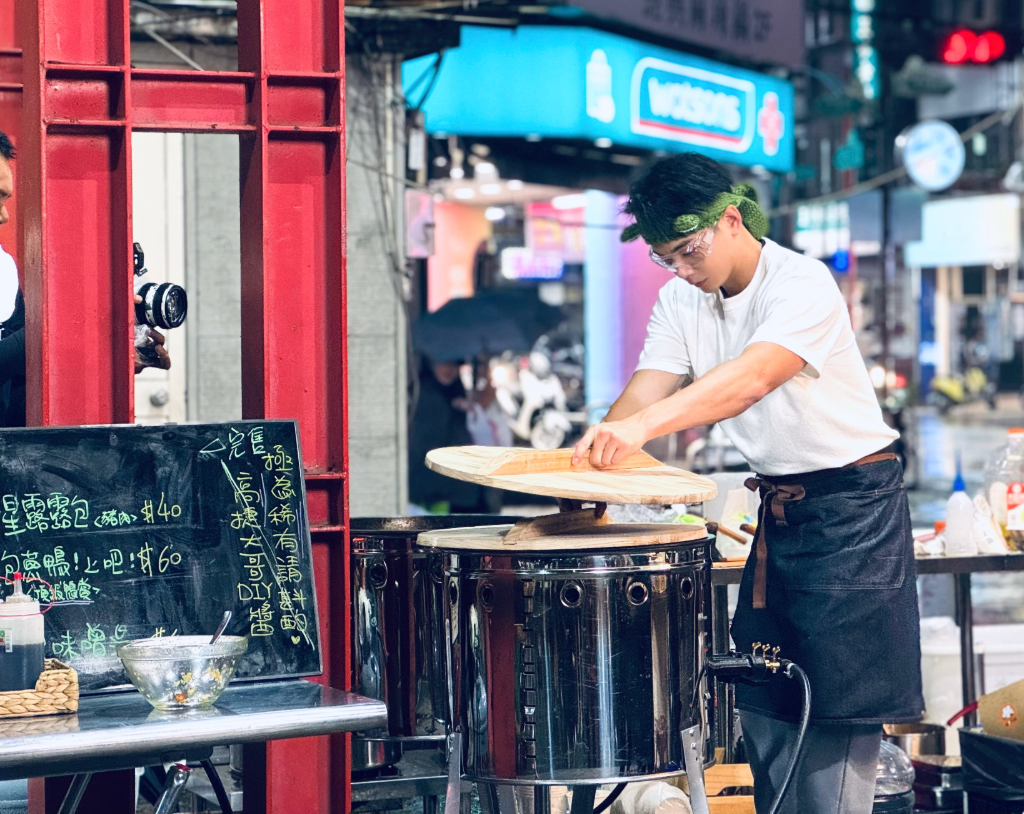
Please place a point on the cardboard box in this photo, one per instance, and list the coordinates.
(1002, 712)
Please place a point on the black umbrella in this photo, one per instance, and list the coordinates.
(484, 325)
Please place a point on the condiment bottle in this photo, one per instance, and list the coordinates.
(21, 640)
(960, 522)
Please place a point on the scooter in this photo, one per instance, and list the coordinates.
(949, 391)
(535, 403)
(973, 385)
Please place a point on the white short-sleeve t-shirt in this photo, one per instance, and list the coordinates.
(8, 285)
(827, 416)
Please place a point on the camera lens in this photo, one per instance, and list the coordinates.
(164, 305)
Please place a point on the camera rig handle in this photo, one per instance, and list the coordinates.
(138, 259)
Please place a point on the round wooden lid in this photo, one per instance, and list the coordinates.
(619, 535)
(638, 479)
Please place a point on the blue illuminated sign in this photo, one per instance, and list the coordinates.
(581, 83)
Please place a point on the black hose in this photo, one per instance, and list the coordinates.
(218, 787)
(606, 803)
(805, 719)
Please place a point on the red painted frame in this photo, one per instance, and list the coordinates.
(70, 98)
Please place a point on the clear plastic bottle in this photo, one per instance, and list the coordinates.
(895, 772)
(1005, 487)
(960, 522)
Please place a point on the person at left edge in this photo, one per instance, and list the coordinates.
(12, 314)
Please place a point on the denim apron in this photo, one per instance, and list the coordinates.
(832, 582)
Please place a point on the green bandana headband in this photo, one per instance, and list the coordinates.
(742, 196)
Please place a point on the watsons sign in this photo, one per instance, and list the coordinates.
(693, 106)
(577, 83)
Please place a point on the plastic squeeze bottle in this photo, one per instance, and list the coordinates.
(21, 640)
(960, 522)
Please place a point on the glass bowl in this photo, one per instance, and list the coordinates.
(181, 672)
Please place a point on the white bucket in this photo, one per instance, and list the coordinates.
(1001, 648)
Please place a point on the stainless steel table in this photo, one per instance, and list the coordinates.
(121, 730)
(724, 574)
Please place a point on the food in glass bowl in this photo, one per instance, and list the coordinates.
(182, 672)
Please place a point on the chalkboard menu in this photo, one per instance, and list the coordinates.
(156, 531)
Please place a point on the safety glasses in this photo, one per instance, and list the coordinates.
(690, 255)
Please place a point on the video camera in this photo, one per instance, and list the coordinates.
(164, 305)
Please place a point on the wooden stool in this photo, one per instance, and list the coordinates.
(728, 775)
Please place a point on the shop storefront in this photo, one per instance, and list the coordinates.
(607, 105)
(965, 268)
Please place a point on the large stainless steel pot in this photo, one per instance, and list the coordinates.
(393, 641)
(576, 668)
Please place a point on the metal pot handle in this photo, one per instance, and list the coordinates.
(453, 795)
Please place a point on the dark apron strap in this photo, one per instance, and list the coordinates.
(774, 497)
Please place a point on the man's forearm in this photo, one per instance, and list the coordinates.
(645, 387)
(625, 406)
(722, 393)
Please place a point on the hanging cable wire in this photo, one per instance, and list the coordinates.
(894, 174)
(180, 54)
(436, 74)
(373, 110)
(606, 803)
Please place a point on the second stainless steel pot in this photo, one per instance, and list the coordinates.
(394, 643)
(917, 739)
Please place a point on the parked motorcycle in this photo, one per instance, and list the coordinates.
(949, 391)
(534, 399)
(971, 386)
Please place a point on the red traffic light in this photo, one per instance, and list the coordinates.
(991, 45)
(959, 47)
(964, 45)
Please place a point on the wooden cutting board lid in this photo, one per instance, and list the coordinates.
(638, 479)
(495, 538)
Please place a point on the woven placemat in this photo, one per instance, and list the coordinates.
(56, 692)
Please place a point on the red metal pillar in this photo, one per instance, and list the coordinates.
(10, 104)
(74, 195)
(293, 308)
(82, 100)
(74, 198)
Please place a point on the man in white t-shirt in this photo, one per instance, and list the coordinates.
(757, 338)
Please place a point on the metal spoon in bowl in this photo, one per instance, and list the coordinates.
(220, 628)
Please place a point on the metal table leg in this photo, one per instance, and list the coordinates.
(583, 799)
(542, 800)
(74, 795)
(177, 777)
(720, 619)
(965, 618)
(725, 699)
(452, 800)
(693, 757)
